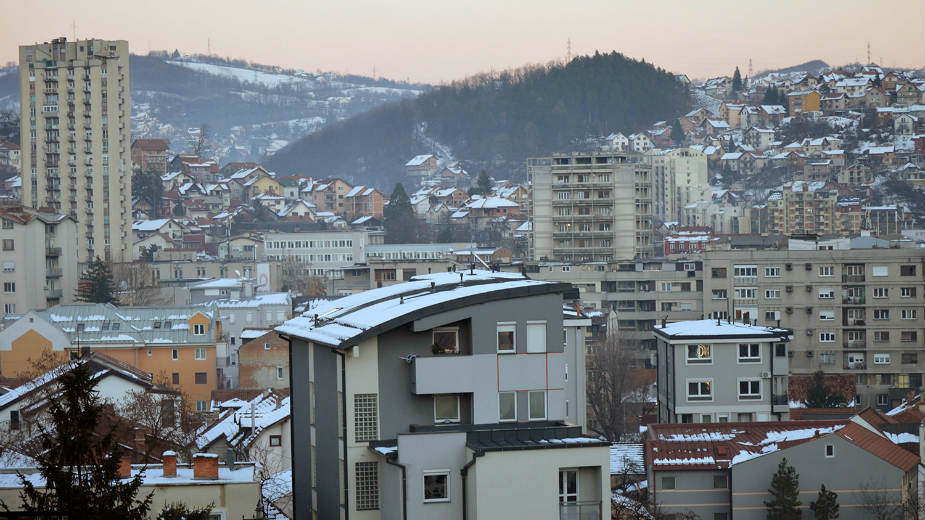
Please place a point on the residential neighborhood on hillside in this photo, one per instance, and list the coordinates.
(656, 296)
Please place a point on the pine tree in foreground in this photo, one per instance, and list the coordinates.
(825, 507)
(785, 493)
(96, 285)
(80, 458)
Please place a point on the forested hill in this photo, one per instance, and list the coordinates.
(492, 121)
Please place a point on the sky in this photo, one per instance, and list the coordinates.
(438, 41)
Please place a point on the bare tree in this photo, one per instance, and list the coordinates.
(616, 389)
(201, 140)
(136, 284)
(294, 277)
(883, 505)
(165, 418)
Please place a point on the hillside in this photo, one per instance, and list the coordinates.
(249, 109)
(492, 122)
(812, 67)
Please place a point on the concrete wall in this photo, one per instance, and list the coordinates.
(694, 491)
(433, 452)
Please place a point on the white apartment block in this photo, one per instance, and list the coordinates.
(75, 128)
(679, 178)
(590, 207)
(325, 253)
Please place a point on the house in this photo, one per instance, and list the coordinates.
(201, 169)
(490, 255)
(178, 342)
(150, 155)
(804, 101)
(715, 371)
(453, 385)
(721, 470)
(263, 359)
(834, 102)
(616, 142)
(905, 124)
(640, 142)
(714, 127)
(173, 228)
(10, 154)
(363, 201)
(421, 166)
(173, 180)
(298, 210)
(241, 246)
(771, 115)
(759, 138)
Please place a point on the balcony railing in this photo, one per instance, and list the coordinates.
(52, 251)
(852, 278)
(53, 294)
(853, 300)
(855, 366)
(779, 400)
(586, 510)
(855, 343)
(53, 272)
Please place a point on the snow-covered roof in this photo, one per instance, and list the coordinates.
(718, 329)
(353, 317)
(263, 411)
(252, 333)
(418, 160)
(150, 225)
(627, 457)
(491, 202)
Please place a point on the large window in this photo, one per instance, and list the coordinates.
(200, 354)
(749, 353)
(507, 335)
(536, 336)
(745, 271)
(700, 354)
(772, 272)
(537, 402)
(367, 486)
(507, 406)
(201, 378)
(446, 408)
(436, 486)
(699, 389)
(365, 417)
(199, 329)
(749, 389)
(447, 339)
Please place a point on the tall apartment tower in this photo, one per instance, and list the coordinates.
(590, 207)
(74, 123)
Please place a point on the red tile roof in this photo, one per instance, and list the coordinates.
(879, 446)
(151, 145)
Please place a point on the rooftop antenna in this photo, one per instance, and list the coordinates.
(868, 52)
(568, 51)
(749, 67)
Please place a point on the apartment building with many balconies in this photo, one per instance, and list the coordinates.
(75, 128)
(590, 207)
(38, 256)
(424, 399)
(679, 178)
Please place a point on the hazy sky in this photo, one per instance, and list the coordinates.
(437, 40)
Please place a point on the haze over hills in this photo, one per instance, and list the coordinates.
(250, 110)
(811, 67)
(493, 121)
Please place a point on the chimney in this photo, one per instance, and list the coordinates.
(139, 442)
(205, 466)
(125, 467)
(170, 463)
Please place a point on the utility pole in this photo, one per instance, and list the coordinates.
(568, 51)
(868, 52)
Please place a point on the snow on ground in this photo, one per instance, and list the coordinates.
(700, 99)
(267, 79)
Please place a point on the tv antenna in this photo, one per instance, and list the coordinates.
(749, 67)
(868, 52)
(568, 51)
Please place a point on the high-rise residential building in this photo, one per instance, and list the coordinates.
(588, 207)
(679, 178)
(74, 123)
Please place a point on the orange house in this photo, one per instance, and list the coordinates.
(804, 101)
(177, 345)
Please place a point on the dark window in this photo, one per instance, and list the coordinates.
(176, 378)
(907, 270)
(667, 482)
(718, 272)
(719, 482)
(780, 350)
(14, 419)
(200, 378)
(276, 440)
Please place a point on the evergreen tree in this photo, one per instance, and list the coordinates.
(147, 186)
(677, 133)
(818, 395)
(826, 505)
(96, 284)
(398, 218)
(785, 493)
(78, 463)
(736, 81)
(877, 81)
(180, 511)
(483, 184)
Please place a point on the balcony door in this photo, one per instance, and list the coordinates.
(568, 486)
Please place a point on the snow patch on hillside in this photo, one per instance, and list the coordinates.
(266, 79)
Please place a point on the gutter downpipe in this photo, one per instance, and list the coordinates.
(343, 403)
(463, 471)
(404, 489)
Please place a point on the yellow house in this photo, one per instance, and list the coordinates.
(804, 101)
(177, 345)
(263, 183)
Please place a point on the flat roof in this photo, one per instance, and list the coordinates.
(718, 329)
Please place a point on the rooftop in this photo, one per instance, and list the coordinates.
(718, 329)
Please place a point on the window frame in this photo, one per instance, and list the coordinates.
(749, 359)
(278, 439)
(530, 416)
(198, 351)
(536, 323)
(688, 360)
(698, 398)
(750, 396)
(446, 330)
(506, 327)
(455, 420)
(513, 395)
(446, 485)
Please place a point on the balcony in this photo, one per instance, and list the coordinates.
(586, 510)
(854, 343)
(852, 278)
(778, 400)
(53, 272)
(52, 251)
(853, 300)
(856, 365)
(53, 294)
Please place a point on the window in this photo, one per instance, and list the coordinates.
(199, 329)
(745, 271)
(772, 272)
(365, 417)
(881, 314)
(881, 336)
(720, 482)
(174, 354)
(826, 337)
(436, 486)
(276, 440)
(700, 390)
(825, 270)
(907, 270)
(829, 451)
(882, 359)
(772, 294)
(746, 293)
(200, 354)
(8, 244)
(907, 292)
(883, 399)
(909, 358)
(536, 336)
(447, 339)
(9, 308)
(507, 406)
(826, 293)
(826, 314)
(507, 332)
(720, 516)
(749, 353)
(718, 272)
(907, 314)
(200, 378)
(279, 373)
(749, 389)
(175, 378)
(14, 417)
(699, 354)
(719, 294)
(537, 404)
(780, 349)
(881, 292)
(446, 408)
(367, 486)
(266, 346)
(9, 267)
(9, 287)
(202, 406)
(880, 270)
(668, 483)
(908, 336)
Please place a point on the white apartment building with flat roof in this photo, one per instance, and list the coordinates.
(326, 253)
